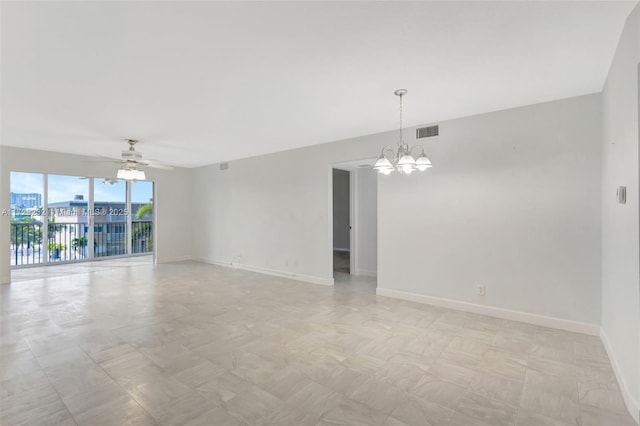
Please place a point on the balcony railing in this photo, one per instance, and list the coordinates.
(70, 241)
(110, 239)
(26, 243)
(141, 237)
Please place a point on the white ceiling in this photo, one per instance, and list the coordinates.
(202, 82)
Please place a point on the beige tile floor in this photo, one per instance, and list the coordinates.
(195, 344)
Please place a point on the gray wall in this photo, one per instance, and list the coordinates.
(341, 210)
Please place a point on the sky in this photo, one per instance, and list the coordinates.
(65, 188)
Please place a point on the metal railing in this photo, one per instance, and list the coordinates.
(26, 243)
(141, 237)
(70, 241)
(109, 239)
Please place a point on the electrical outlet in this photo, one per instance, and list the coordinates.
(482, 290)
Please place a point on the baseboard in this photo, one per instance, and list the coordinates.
(535, 319)
(632, 405)
(173, 259)
(284, 274)
(366, 273)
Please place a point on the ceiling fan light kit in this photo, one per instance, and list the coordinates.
(401, 159)
(131, 174)
(131, 159)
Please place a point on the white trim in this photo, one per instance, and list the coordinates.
(330, 220)
(45, 220)
(632, 405)
(173, 259)
(129, 220)
(353, 231)
(365, 273)
(91, 238)
(284, 274)
(535, 319)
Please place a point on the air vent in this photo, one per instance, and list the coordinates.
(427, 132)
(224, 166)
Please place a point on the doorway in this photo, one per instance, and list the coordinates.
(341, 221)
(355, 225)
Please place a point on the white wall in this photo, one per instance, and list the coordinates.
(5, 220)
(259, 217)
(512, 203)
(173, 201)
(341, 210)
(366, 226)
(620, 229)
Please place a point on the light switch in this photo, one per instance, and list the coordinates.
(622, 194)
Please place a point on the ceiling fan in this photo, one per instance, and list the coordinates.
(130, 159)
(105, 181)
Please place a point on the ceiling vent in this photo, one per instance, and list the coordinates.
(427, 132)
(224, 166)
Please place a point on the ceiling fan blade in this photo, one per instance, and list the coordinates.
(105, 159)
(155, 165)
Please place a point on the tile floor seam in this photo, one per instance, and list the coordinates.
(119, 385)
(579, 402)
(167, 291)
(52, 386)
(466, 392)
(524, 383)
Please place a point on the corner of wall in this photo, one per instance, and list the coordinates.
(276, 273)
(632, 404)
(620, 248)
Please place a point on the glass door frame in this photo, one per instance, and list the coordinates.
(91, 223)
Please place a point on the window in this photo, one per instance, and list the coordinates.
(52, 218)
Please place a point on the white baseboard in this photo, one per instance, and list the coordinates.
(173, 259)
(535, 319)
(632, 404)
(366, 273)
(284, 274)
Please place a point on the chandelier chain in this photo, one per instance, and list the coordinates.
(401, 142)
(402, 161)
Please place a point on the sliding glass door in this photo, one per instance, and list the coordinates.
(141, 217)
(56, 218)
(110, 218)
(68, 219)
(27, 215)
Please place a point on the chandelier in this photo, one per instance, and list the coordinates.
(401, 160)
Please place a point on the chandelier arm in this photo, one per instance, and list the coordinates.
(388, 150)
(417, 146)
